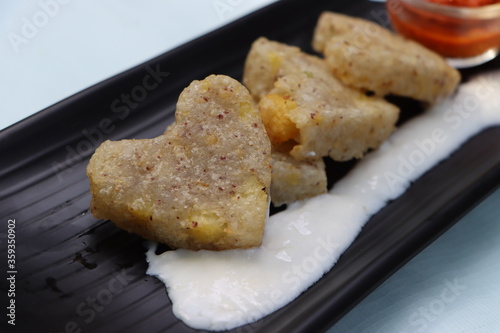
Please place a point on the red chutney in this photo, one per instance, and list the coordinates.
(455, 36)
(465, 3)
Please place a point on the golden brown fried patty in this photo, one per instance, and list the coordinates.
(294, 180)
(301, 101)
(202, 185)
(367, 56)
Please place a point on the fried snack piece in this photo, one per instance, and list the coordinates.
(294, 180)
(269, 60)
(331, 120)
(367, 56)
(202, 185)
(303, 102)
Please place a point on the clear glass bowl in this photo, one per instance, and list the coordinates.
(466, 36)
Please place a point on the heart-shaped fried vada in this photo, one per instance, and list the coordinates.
(202, 185)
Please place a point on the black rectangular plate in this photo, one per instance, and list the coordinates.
(77, 273)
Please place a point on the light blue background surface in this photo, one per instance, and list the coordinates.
(51, 49)
(452, 286)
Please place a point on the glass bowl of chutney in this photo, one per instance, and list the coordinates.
(465, 32)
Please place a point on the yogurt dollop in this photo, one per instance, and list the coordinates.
(223, 290)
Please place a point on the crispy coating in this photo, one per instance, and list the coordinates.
(294, 180)
(269, 60)
(202, 185)
(303, 102)
(333, 120)
(367, 56)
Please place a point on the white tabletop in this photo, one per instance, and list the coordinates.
(51, 49)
